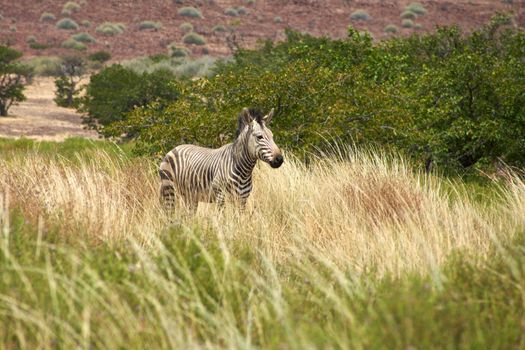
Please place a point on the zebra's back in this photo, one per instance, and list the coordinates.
(190, 171)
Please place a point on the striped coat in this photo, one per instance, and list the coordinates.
(198, 174)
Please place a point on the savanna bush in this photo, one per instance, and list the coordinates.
(73, 44)
(360, 15)
(150, 25)
(391, 28)
(408, 15)
(407, 23)
(116, 91)
(438, 97)
(416, 8)
(67, 24)
(186, 27)
(84, 38)
(190, 11)
(45, 65)
(111, 29)
(47, 17)
(100, 56)
(194, 38)
(174, 50)
(231, 11)
(219, 28)
(71, 6)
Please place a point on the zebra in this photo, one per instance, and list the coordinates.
(199, 174)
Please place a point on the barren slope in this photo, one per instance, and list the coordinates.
(328, 17)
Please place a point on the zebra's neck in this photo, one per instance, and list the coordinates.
(243, 162)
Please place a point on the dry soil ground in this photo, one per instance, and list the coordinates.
(40, 118)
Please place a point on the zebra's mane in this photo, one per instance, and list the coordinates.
(255, 113)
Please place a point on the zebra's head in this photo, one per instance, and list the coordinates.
(259, 139)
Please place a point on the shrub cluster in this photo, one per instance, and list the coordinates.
(194, 38)
(447, 97)
(67, 24)
(190, 12)
(47, 17)
(115, 91)
(111, 29)
(150, 25)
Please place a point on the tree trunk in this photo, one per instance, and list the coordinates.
(3, 110)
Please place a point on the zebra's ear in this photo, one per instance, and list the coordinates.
(246, 116)
(268, 118)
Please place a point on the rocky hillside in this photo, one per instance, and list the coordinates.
(143, 27)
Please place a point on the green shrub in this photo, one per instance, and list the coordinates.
(84, 38)
(12, 28)
(360, 15)
(115, 91)
(45, 65)
(417, 8)
(149, 25)
(177, 51)
(407, 23)
(418, 26)
(47, 17)
(408, 15)
(277, 19)
(100, 56)
(111, 29)
(66, 12)
(219, 28)
(249, 2)
(186, 27)
(71, 6)
(73, 44)
(193, 38)
(67, 90)
(231, 11)
(31, 39)
(242, 10)
(86, 23)
(391, 28)
(13, 78)
(67, 24)
(190, 12)
(39, 46)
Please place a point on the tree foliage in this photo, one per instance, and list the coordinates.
(447, 98)
(116, 91)
(13, 78)
(67, 89)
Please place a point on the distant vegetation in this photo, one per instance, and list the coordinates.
(194, 38)
(190, 12)
(67, 24)
(111, 29)
(150, 25)
(360, 15)
(47, 17)
(13, 78)
(424, 95)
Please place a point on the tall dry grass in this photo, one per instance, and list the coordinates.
(306, 265)
(360, 209)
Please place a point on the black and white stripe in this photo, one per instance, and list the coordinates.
(197, 174)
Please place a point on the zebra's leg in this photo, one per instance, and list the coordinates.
(167, 196)
(219, 199)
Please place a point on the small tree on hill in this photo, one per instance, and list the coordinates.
(67, 89)
(13, 78)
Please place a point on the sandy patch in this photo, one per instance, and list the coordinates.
(40, 118)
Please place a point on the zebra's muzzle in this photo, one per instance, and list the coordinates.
(277, 161)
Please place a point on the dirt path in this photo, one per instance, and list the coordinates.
(40, 118)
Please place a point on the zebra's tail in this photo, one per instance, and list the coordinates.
(167, 188)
